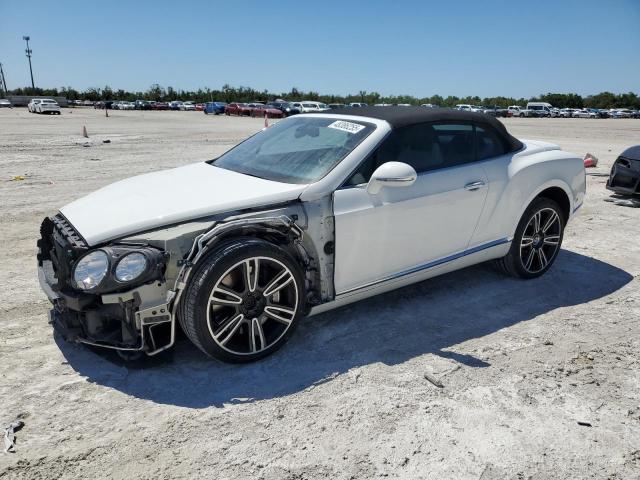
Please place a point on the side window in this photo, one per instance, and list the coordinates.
(488, 144)
(455, 143)
(424, 146)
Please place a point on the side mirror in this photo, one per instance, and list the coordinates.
(391, 174)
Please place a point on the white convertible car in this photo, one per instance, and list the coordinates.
(310, 214)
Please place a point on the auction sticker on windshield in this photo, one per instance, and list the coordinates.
(346, 126)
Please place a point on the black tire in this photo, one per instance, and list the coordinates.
(196, 309)
(513, 263)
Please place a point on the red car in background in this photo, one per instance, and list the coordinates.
(160, 106)
(245, 109)
(260, 110)
(233, 108)
(199, 107)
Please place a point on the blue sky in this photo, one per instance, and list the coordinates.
(421, 48)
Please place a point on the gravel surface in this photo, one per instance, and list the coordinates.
(540, 379)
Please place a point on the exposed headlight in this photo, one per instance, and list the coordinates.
(130, 267)
(90, 270)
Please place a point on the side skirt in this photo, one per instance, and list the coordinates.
(473, 256)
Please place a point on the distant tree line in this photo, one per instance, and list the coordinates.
(246, 94)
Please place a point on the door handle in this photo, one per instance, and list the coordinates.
(474, 186)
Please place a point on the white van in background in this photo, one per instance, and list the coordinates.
(540, 109)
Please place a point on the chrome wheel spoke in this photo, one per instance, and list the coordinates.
(228, 330)
(256, 330)
(526, 241)
(542, 258)
(536, 221)
(251, 272)
(529, 261)
(218, 294)
(552, 240)
(280, 314)
(278, 283)
(553, 218)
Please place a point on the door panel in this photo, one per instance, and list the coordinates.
(401, 228)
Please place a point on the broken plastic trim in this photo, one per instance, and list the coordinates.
(205, 241)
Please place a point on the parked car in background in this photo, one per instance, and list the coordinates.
(188, 107)
(517, 111)
(233, 108)
(4, 103)
(584, 113)
(200, 107)
(266, 110)
(175, 105)
(287, 108)
(358, 104)
(142, 105)
(244, 110)
(47, 105)
(312, 107)
(620, 113)
(426, 105)
(160, 106)
(215, 108)
(311, 214)
(566, 112)
(495, 111)
(334, 106)
(31, 106)
(624, 178)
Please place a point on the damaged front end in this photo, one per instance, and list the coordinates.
(121, 312)
(140, 314)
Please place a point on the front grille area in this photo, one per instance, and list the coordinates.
(62, 245)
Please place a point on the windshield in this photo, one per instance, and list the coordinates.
(296, 150)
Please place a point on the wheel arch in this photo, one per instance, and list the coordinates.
(560, 196)
(280, 230)
(556, 190)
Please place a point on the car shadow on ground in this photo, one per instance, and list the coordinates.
(429, 317)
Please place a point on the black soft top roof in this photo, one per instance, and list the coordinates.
(399, 117)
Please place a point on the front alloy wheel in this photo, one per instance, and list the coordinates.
(252, 305)
(243, 301)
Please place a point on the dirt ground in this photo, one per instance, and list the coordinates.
(541, 379)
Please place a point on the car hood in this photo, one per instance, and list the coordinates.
(171, 196)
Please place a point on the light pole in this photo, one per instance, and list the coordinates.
(3, 82)
(29, 51)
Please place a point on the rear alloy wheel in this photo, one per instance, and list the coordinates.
(244, 301)
(537, 241)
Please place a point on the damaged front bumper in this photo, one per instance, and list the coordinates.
(625, 176)
(132, 317)
(138, 320)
